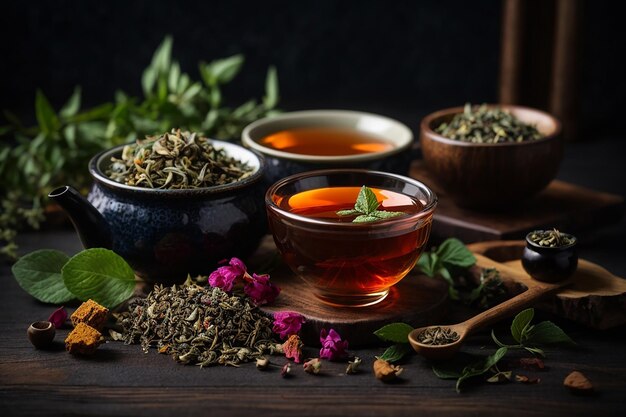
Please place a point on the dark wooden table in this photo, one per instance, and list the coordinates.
(120, 380)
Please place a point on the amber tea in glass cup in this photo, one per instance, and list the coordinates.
(346, 263)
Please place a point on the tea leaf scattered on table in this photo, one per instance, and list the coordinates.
(520, 324)
(99, 274)
(394, 332)
(451, 254)
(468, 367)
(39, 274)
(396, 352)
(531, 337)
(547, 333)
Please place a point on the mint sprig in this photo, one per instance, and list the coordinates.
(475, 366)
(441, 261)
(534, 337)
(366, 208)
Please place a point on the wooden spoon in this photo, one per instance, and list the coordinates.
(514, 305)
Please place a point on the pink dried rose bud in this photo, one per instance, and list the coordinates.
(58, 317)
(293, 348)
(260, 289)
(313, 366)
(286, 370)
(287, 323)
(333, 348)
(224, 277)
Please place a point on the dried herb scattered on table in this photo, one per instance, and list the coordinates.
(197, 325)
(176, 160)
(483, 124)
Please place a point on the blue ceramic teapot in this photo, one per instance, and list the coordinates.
(166, 234)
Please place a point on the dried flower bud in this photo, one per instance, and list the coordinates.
(353, 366)
(525, 379)
(333, 348)
(385, 371)
(313, 366)
(260, 289)
(293, 348)
(286, 370)
(287, 323)
(262, 363)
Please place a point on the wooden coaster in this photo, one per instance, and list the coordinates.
(417, 300)
(562, 205)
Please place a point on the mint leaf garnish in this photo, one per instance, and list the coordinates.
(366, 207)
(521, 323)
(39, 274)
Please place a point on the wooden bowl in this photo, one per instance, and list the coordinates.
(492, 176)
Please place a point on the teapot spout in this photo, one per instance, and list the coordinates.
(88, 222)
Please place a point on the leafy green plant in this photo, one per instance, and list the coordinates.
(441, 261)
(56, 151)
(51, 277)
(533, 337)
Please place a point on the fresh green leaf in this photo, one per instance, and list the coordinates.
(39, 274)
(46, 117)
(453, 252)
(99, 274)
(73, 104)
(163, 56)
(224, 70)
(382, 214)
(428, 264)
(520, 324)
(270, 100)
(394, 332)
(535, 350)
(480, 367)
(148, 80)
(547, 333)
(396, 352)
(366, 201)
(174, 75)
(351, 212)
(365, 218)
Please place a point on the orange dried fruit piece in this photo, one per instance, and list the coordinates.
(90, 313)
(83, 340)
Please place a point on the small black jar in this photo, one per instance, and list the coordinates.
(550, 264)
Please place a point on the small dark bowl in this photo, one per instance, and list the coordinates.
(281, 164)
(41, 334)
(492, 176)
(550, 264)
(166, 234)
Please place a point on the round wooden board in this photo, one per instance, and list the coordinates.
(416, 300)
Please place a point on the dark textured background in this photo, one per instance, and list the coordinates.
(402, 58)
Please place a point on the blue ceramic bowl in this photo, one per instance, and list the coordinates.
(166, 234)
(281, 164)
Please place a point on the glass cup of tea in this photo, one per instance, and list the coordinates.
(349, 263)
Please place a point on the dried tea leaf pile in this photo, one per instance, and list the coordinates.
(551, 238)
(482, 124)
(197, 325)
(176, 160)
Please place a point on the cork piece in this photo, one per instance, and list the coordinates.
(83, 340)
(90, 313)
